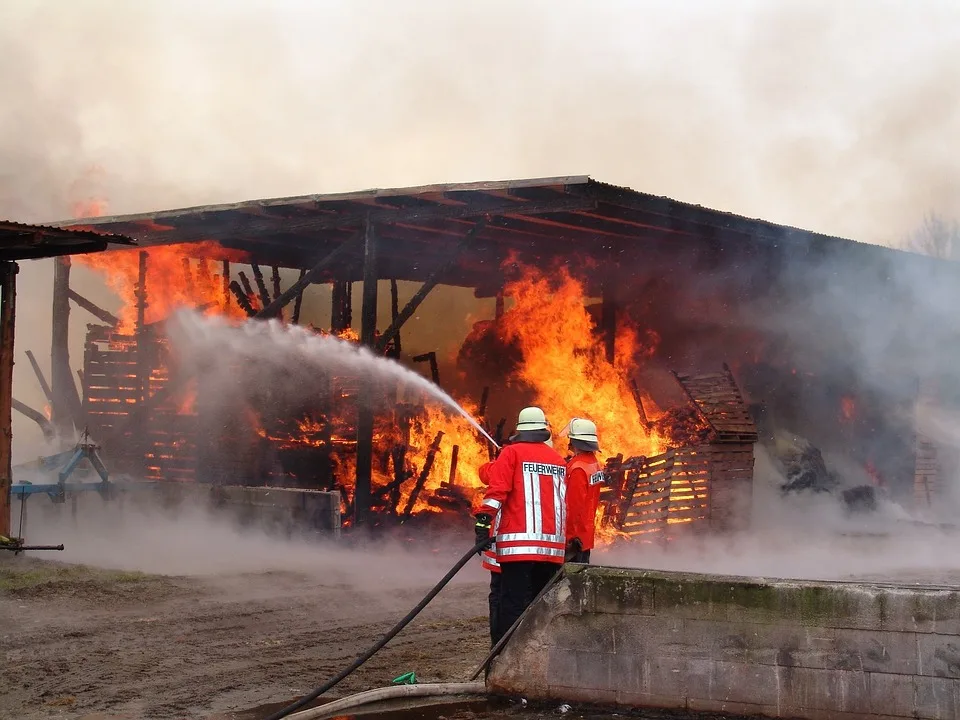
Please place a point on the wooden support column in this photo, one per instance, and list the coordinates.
(394, 314)
(341, 314)
(8, 299)
(608, 321)
(368, 388)
(225, 279)
(143, 362)
(66, 409)
(47, 392)
(298, 303)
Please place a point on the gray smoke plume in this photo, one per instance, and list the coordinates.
(828, 116)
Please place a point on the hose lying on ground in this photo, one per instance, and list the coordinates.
(307, 699)
(468, 691)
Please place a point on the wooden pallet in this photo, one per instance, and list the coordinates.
(719, 401)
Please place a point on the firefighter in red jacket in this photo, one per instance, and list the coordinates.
(525, 495)
(490, 563)
(584, 478)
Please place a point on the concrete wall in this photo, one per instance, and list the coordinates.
(820, 651)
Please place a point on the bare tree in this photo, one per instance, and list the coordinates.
(937, 237)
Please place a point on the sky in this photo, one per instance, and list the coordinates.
(834, 117)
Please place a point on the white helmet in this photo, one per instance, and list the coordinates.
(581, 429)
(531, 418)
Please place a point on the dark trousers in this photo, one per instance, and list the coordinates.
(494, 601)
(520, 583)
(583, 556)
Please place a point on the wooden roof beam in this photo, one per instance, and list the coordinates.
(239, 225)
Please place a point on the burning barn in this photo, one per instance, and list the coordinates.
(689, 335)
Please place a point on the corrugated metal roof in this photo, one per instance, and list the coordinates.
(530, 218)
(22, 241)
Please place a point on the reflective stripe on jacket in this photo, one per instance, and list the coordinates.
(526, 486)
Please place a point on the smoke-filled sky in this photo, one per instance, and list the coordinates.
(837, 117)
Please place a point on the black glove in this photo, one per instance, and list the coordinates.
(482, 529)
(575, 545)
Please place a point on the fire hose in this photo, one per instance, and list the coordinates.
(313, 695)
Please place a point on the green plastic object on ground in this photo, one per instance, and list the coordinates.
(409, 678)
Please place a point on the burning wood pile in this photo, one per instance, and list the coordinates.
(684, 465)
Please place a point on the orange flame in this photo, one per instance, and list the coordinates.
(848, 408)
(168, 284)
(92, 207)
(564, 364)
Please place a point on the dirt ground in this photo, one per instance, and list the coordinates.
(79, 642)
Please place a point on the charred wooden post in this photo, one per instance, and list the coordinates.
(501, 304)
(225, 279)
(638, 399)
(424, 474)
(608, 320)
(454, 456)
(187, 276)
(242, 299)
(482, 419)
(261, 285)
(247, 287)
(275, 277)
(298, 303)
(499, 435)
(38, 417)
(430, 357)
(94, 309)
(365, 415)
(47, 393)
(394, 314)
(341, 314)
(142, 350)
(8, 300)
(428, 285)
(399, 456)
(298, 287)
(66, 408)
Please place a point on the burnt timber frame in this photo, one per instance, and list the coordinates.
(8, 300)
(365, 410)
(537, 220)
(26, 242)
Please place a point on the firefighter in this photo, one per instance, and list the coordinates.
(490, 563)
(525, 493)
(584, 478)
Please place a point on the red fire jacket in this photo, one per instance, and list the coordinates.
(527, 487)
(490, 554)
(584, 478)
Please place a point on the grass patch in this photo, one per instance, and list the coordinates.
(54, 577)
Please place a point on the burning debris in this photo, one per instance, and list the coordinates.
(425, 461)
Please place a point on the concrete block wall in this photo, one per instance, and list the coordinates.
(783, 649)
